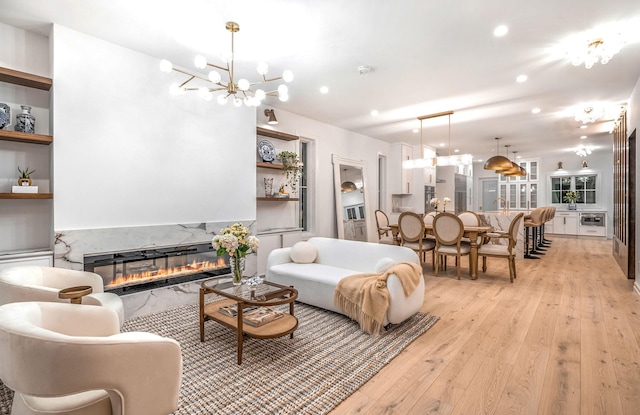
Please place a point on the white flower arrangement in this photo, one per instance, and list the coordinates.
(446, 200)
(434, 202)
(235, 240)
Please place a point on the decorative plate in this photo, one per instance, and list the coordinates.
(5, 115)
(266, 150)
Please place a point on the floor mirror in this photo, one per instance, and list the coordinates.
(351, 198)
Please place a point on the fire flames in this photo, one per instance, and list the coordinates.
(164, 273)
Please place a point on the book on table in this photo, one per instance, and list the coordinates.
(232, 310)
(261, 315)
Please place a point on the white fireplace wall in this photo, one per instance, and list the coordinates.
(128, 154)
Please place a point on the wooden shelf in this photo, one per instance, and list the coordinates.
(26, 195)
(277, 199)
(25, 79)
(6, 135)
(269, 165)
(276, 134)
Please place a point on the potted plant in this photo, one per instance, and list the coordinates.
(292, 167)
(571, 197)
(25, 179)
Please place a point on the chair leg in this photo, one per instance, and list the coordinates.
(511, 269)
(437, 267)
(513, 260)
(458, 265)
(484, 264)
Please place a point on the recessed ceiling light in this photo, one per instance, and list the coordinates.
(500, 30)
(374, 112)
(583, 126)
(535, 110)
(479, 160)
(441, 144)
(415, 130)
(583, 137)
(522, 78)
(456, 150)
(324, 89)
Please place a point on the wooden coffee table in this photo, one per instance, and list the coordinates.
(266, 294)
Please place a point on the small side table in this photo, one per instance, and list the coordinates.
(75, 294)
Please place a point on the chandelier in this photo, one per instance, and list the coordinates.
(583, 151)
(598, 45)
(588, 114)
(455, 160)
(240, 91)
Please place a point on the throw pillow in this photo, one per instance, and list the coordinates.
(384, 264)
(303, 253)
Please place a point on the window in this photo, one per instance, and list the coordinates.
(303, 187)
(584, 185)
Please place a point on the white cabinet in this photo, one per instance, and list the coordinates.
(43, 259)
(565, 223)
(401, 178)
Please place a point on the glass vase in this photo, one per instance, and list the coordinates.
(237, 268)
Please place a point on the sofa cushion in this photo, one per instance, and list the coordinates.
(303, 253)
(384, 264)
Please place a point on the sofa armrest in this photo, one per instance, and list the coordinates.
(277, 257)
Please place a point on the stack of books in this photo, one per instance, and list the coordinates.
(232, 310)
(260, 316)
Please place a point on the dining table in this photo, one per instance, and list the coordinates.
(471, 232)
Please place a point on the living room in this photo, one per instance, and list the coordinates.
(130, 162)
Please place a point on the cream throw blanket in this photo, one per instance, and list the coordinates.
(365, 297)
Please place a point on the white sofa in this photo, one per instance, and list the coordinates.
(335, 259)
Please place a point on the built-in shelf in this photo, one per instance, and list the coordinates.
(277, 199)
(276, 134)
(25, 79)
(269, 165)
(6, 135)
(26, 195)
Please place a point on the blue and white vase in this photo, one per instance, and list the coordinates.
(25, 122)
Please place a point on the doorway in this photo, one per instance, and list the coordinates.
(489, 194)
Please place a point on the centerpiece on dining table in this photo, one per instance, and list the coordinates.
(435, 202)
(236, 241)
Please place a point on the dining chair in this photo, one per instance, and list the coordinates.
(384, 231)
(448, 230)
(428, 221)
(469, 218)
(503, 251)
(411, 228)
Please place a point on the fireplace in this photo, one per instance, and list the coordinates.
(132, 271)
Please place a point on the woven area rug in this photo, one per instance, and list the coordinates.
(327, 360)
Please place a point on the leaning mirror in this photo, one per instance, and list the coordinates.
(350, 196)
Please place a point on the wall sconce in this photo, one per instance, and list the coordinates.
(272, 117)
(584, 164)
(559, 166)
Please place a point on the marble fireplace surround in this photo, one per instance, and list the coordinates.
(72, 245)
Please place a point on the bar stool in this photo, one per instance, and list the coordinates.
(532, 223)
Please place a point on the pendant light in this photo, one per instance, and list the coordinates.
(347, 186)
(515, 169)
(497, 162)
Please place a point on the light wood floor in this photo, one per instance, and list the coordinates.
(562, 339)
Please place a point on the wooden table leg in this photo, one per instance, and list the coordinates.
(240, 333)
(473, 255)
(201, 314)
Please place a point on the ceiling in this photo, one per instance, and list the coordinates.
(426, 57)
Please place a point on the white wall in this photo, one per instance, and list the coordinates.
(330, 140)
(127, 153)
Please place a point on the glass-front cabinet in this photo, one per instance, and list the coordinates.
(521, 192)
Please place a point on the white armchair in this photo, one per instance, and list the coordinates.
(36, 283)
(72, 359)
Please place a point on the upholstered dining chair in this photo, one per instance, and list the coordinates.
(448, 230)
(72, 359)
(503, 251)
(384, 231)
(411, 228)
(470, 218)
(37, 283)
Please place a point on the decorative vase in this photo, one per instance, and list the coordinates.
(24, 181)
(237, 268)
(5, 115)
(25, 122)
(572, 206)
(268, 187)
